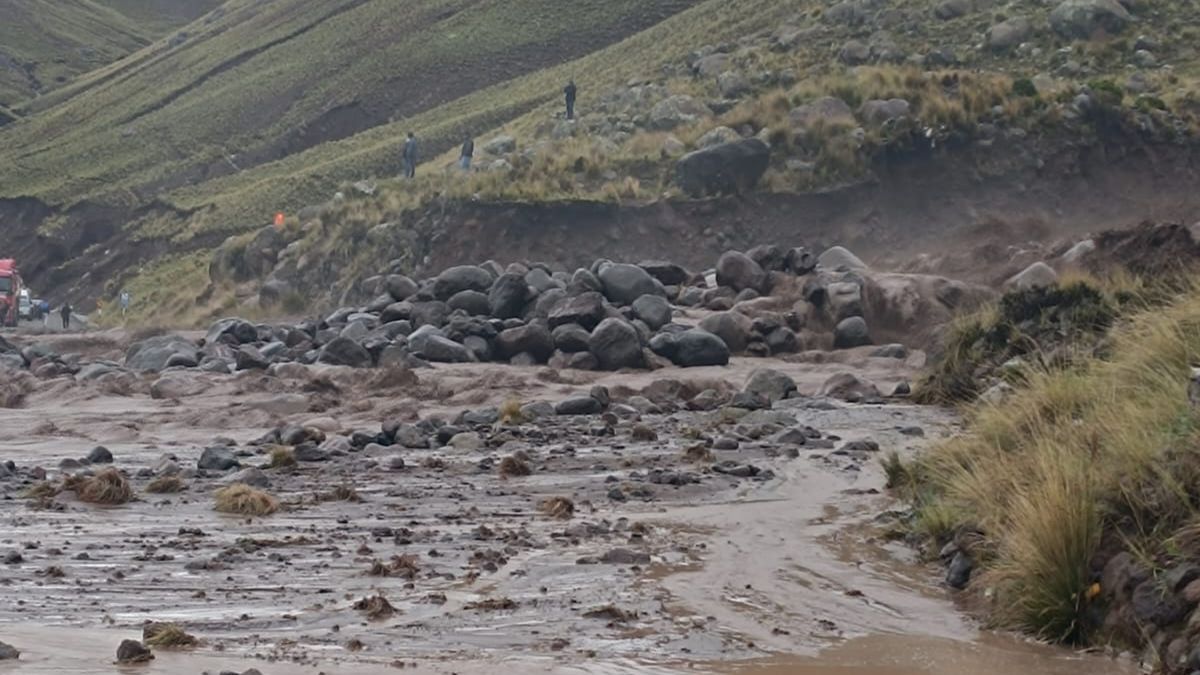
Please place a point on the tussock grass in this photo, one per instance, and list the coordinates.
(243, 500)
(41, 491)
(514, 467)
(166, 485)
(558, 507)
(108, 486)
(510, 412)
(376, 607)
(1103, 447)
(167, 635)
(282, 457)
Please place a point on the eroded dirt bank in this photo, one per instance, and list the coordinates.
(712, 544)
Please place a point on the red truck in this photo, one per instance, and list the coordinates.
(10, 292)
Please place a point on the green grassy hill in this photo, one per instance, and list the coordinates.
(47, 43)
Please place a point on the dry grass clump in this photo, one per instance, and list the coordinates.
(165, 485)
(282, 457)
(243, 500)
(375, 607)
(108, 486)
(1104, 446)
(698, 454)
(510, 412)
(341, 493)
(403, 566)
(41, 491)
(644, 433)
(492, 605)
(558, 507)
(511, 467)
(167, 635)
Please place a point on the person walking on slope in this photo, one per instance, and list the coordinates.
(468, 151)
(570, 90)
(410, 156)
(65, 312)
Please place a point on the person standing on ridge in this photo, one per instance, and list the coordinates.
(468, 151)
(65, 312)
(410, 156)
(570, 90)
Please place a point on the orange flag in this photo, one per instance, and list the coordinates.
(279, 220)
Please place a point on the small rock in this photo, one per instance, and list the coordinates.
(959, 573)
(8, 652)
(99, 455)
(217, 459)
(132, 651)
(624, 556)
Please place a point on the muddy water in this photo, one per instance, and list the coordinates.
(740, 571)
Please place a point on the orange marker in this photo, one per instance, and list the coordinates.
(279, 220)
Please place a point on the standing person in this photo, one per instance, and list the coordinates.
(125, 297)
(66, 315)
(570, 90)
(410, 156)
(44, 309)
(468, 151)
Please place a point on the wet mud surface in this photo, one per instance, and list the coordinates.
(674, 555)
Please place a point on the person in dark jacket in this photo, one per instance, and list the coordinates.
(65, 312)
(410, 156)
(468, 151)
(570, 90)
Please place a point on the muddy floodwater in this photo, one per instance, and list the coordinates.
(678, 554)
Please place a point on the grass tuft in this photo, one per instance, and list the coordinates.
(376, 607)
(108, 486)
(167, 635)
(166, 485)
(558, 507)
(514, 467)
(282, 457)
(243, 500)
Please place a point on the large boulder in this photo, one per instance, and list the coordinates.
(676, 111)
(586, 309)
(653, 310)
(733, 328)
(667, 273)
(461, 278)
(739, 272)
(532, 338)
(217, 458)
(432, 345)
(156, 353)
(508, 296)
(770, 384)
(342, 351)
(473, 303)
(571, 338)
(851, 332)
(729, 168)
(821, 113)
(691, 348)
(625, 283)
(1081, 19)
(879, 112)
(177, 386)
(239, 331)
(838, 257)
(1009, 34)
(400, 287)
(1037, 275)
(616, 344)
(500, 145)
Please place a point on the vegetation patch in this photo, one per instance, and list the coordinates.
(108, 486)
(243, 500)
(167, 635)
(166, 485)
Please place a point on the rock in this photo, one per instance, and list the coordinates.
(676, 111)
(409, 436)
(309, 452)
(717, 136)
(234, 330)
(879, 112)
(892, 351)
(848, 387)
(132, 651)
(8, 652)
(431, 344)
(461, 278)
(623, 284)
(851, 332)
(1037, 275)
(729, 168)
(772, 384)
(99, 455)
(854, 52)
(959, 573)
(839, 258)
(500, 145)
(579, 405)
(1009, 34)
(400, 287)
(822, 113)
(952, 9)
(342, 351)
(532, 338)
(624, 556)
(588, 309)
(177, 386)
(571, 338)
(1153, 604)
(667, 273)
(248, 357)
(654, 310)
(673, 147)
(252, 476)
(217, 458)
(733, 328)
(1081, 19)
(508, 296)
(153, 354)
(782, 340)
(466, 440)
(740, 272)
(694, 347)
(615, 344)
(733, 84)
(473, 303)
(711, 65)
(799, 261)
(540, 280)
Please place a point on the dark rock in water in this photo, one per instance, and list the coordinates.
(667, 273)
(624, 556)
(473, 303)
(8, 652)
(479, 347)
(461, 278)
(309, 452)
(156, 353)
(217, 458)
(440, 349)
(749, 401)
(902, 390)
(586, 309)
(508, 296)
(617, 495)
(343, 351)
(99, 455)
(729, 168)
(654, 310)
(732, 327)
(252, 476)
(625, 283)
(769, 257)
(851, 332)
(132, 651)
(800, 261)
(782, 340)
(739, 272)
(13, 558)
(248, 357)
(601, 394)
(848, 387)
(579, 405)
(615, 344)
(959, 573)
(696, 347)
(233, 330)
(533, 338)
(892, 351)
(772, 384)
(571, 338)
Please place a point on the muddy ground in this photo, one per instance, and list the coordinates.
(678, 556)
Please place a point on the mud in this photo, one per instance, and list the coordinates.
(688, 570)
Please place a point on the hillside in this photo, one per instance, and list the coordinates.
(269, 107)
(45, 44)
